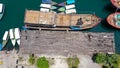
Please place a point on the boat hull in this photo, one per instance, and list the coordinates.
(62, 20)
(2, 13)
(18, 41)
(12, 37)
(5, 39)
(4, 42)
(115, 3)
(17, 35)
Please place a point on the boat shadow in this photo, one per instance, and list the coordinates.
(10, 47)
(110, 8)
(105, 25)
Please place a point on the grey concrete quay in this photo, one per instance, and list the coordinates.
(66, 43)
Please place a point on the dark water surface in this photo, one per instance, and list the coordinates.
(15, 10)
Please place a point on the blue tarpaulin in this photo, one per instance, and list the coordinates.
(70, 1)
(0, 47)
(46, 1)
(74, 28)
(24, 28)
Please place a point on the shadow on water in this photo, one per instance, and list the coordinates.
(110, 8)
(117, 38)
(10, 47)
(105, 24)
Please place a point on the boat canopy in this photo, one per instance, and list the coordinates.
(70, 1)
(1, 8)
(45, 5)
(46, 1)
(11, 34)
(70, 11)
(44, 10)
(117, 16)
(70, 6)
(17, 33)
(5, 35)
(118, 23)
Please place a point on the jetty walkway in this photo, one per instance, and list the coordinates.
(65, 43)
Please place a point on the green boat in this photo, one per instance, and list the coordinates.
(61, 9)
(53, 7)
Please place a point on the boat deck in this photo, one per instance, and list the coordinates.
(32, 17)
(65, 43)
(63, 20)
(51, 18)
(37, 17)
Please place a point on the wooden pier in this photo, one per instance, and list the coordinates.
(65, 43)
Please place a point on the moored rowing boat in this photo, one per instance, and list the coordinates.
(114, 20)
(5, 39)
(12, 37)
(116, 3)
(17, 35)
(2, 8)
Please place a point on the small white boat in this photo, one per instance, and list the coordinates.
(2, 8)
(17, 35)
(45, 10)
(5, 39)
(12, 37)
(45, 5)
(70, 11)
(70, 6)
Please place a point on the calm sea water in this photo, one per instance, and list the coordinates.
(15, 10)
